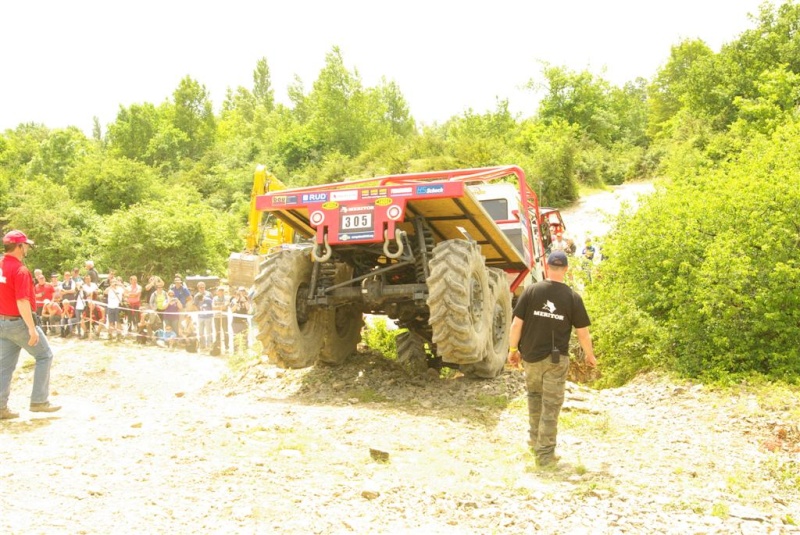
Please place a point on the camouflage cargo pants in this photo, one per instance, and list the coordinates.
(545, 383)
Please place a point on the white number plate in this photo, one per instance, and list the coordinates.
(356, 222)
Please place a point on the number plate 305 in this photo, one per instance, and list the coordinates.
(356, 222)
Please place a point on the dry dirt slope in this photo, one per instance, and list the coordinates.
(154, 442)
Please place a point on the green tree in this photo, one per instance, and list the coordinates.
(778, 95)
(97, 130)
(21, 146)
(64, 230)
(167, 147)
(581, 99)
(133, 130)
(552, 162)
(629, 105)
(262, 86)
(389, 106)
(337, 105)
(58, 153)
(193, 115)
(481, 140)
(110, 184)
(166, 237)
(297, 96)
(667, 92)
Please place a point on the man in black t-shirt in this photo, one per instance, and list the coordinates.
(543, 320)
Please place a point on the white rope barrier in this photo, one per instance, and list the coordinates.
(213, 315)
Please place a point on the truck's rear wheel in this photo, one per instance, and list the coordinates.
(458, 301)
(342, 325)
(494, 359)
(290, 332)
(411, 354)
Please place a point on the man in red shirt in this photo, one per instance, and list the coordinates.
(42, 291)
(68, 319)
(18, 327)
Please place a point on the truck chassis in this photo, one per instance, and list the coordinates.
(419, 248)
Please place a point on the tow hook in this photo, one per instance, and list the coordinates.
(327, 248)
(398, 237)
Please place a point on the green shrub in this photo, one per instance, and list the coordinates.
(378, 336)
(705, 278)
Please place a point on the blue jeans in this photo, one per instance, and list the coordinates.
(14, 337)
(204, 330)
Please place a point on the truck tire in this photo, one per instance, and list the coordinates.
(496, 352)
(458, 302)
(343, 326)
(411, 354)
(290, 333)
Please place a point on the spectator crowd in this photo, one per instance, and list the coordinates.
(89, 306)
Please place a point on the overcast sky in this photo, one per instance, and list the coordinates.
(64, 62)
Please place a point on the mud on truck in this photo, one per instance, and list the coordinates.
(441, 253)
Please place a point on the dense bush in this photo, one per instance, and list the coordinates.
(705, 277)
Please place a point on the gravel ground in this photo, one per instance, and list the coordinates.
(151, 441)
(155, 441)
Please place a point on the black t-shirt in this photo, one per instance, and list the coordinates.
(549, 309)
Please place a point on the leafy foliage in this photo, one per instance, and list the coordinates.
(705, 277)
(376, 335)
(166, 237)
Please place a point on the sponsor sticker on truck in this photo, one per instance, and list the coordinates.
(430, 190)
(315, 197)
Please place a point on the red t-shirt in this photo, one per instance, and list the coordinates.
(16, 283)
(43, 291)
(68, 311)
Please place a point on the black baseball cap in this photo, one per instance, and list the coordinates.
(557, 258)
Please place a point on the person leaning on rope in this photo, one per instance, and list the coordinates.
(18, 328)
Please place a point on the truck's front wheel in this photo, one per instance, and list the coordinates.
(458, 301)
(290, 332)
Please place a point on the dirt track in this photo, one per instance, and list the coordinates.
(153, 441)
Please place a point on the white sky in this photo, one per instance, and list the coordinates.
(63, 62)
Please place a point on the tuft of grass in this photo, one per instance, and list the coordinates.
(448, 373)
(584, 422)
(243, 357)
(518, 404)
(277, 438)
(580, 468)
(785, 474)
(499, 401)
(720, 510)
(681, 505)
(367, 395)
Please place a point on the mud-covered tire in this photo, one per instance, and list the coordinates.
(411, 354)
(496, 352)
(343, 326)
(458, 301)
(290, 333)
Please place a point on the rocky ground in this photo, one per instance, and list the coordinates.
(156, 441)
(153, 441)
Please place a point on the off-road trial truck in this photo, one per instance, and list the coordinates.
(441, 253)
